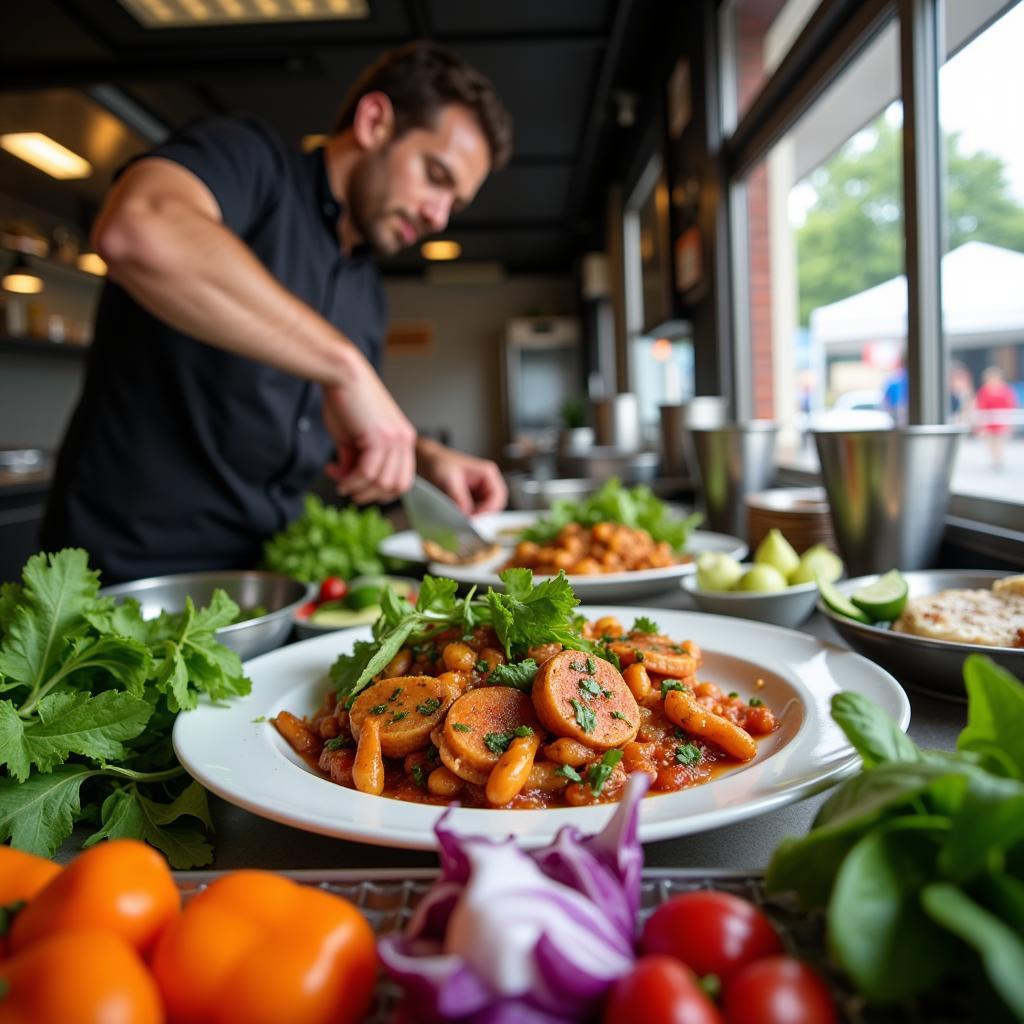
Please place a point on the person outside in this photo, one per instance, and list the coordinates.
(239, 335)
(992, 398)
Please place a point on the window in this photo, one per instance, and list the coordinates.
(983, 261)
(756, 35)
(821, 300)
(661, 373)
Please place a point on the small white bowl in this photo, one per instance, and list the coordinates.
(787, 607)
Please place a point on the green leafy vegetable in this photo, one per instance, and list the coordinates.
(523, 617)
(585, 717)
(568, 772)
(646, 625)
(429, 706)
(92, 690)
(688, 754)
(328, 541)
(518, 674)
(673, 684)
(461, 727)
(599, 774)
(497, 742)
(919, 858)
(633, 506)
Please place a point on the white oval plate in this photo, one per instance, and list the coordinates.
(505, 527)
(234, 751)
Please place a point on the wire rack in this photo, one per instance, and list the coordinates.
(387, 898)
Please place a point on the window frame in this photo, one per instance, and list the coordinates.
(836, 33)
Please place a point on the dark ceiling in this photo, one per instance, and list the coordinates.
(556, 63)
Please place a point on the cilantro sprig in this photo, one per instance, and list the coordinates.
(524, 616)
(90, 694)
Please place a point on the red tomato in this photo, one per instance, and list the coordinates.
(334, 588)
(711, 932)
(659, 990)
(778, 990)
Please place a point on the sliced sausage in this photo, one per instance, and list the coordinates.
(586, 699)
(477, 722)
(409, 708)
(659, 654)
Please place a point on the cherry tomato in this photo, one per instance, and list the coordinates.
(121, 886)
(659, 990)
(78, 977)
(711, 932)
(334, 588)
(778, 990)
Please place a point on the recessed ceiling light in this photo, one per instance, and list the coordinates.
(92, 263)
(194, 13)
(441, 249)
(48, 156)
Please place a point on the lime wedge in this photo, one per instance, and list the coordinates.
(884, 599)
(839, 603)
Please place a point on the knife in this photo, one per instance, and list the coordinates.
(435, 517)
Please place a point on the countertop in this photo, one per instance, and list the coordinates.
(245, 840)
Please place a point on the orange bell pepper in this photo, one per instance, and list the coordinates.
(121, 886)
(256, 948)
(22, 875)
(78, 977)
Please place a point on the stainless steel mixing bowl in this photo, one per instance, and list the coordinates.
(280, 595)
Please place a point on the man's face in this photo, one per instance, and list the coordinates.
(410, 187)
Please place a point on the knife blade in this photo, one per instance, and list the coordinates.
(435, 517)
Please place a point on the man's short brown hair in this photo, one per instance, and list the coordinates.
(420, 79)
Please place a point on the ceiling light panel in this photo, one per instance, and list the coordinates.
(47, 155)
(196, 13)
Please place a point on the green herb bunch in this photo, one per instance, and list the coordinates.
(90, 695)
(328, 541)
(523, 616)
(919, 859)
(636, 507)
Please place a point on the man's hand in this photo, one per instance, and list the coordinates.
(375, 441)
(476, 485)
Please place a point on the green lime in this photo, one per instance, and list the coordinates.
(884, 599)
(364, 597)
(839, 603)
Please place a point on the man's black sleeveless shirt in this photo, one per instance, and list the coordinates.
(180, 456)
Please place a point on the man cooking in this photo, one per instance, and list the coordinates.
(238, 337)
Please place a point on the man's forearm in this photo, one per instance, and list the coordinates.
(200, 278)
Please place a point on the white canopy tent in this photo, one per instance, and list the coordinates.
(982, 301)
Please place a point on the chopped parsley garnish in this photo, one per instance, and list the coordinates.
(606, 693)
(591, 666)
(461, 727)
(756, 702)
(639, 656)
(598, 774)
(378, 709)
(418, 776)
(733, 695)
(589, 688)
(394, 696)
(688, 754)
(673, 684)
(585, 717)
(577, 666)
(482, 666)
(568, 772)
(646, 625)
(621, 717)
(338, 742)
(679, 648)
(429, 706)
(519, 675)
(258, 719)
(433, 755)
(399, 715)
(497, 742)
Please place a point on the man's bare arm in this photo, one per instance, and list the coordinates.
(161, 235)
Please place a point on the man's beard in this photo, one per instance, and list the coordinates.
(367, 204)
